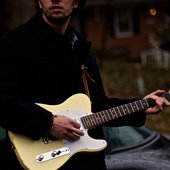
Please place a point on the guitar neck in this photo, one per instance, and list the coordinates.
(99, 118)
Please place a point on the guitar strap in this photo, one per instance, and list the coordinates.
(85, 75)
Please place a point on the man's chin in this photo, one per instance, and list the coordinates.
(57, 19)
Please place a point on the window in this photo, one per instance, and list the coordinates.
(123, 23)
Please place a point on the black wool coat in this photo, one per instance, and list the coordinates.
(38, 65)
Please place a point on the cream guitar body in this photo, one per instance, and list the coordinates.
(39, 155)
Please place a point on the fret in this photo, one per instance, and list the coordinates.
(112, 114)
(140, 105)
(108, 115)
(135, 108)
(131, 107)
(92, 120)
(119, 111)
(124, 113)
(145, 103)
(126, 105)
(115, 112)
(87, 121)
(84, 122)
(125, 109)
(102, 116)
(98, 119)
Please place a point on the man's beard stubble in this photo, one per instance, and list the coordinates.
(59, 20)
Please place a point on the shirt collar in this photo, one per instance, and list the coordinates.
(74, 38)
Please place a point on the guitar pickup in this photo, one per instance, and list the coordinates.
(52, 154)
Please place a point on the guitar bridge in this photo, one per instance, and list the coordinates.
(52, 154)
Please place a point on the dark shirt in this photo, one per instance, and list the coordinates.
(38, 65)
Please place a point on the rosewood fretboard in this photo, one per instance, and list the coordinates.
(98, 118)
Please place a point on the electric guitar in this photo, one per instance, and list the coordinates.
(49, 154)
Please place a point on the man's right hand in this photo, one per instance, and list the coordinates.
(65, 128)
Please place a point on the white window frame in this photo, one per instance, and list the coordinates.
(129, 20)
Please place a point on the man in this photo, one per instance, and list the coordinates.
(41, 62)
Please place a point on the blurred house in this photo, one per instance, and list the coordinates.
(122, 28)
(118, 28)
(13, 13)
